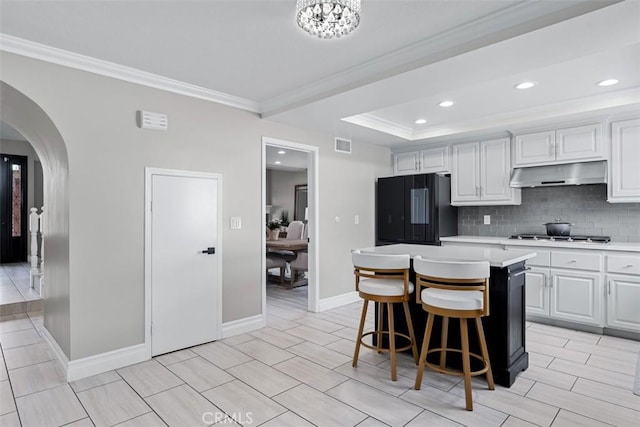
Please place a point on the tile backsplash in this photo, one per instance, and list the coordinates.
(585, 206)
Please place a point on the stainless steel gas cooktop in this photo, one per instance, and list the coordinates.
(545, 238)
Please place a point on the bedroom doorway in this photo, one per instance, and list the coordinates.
(289, 181)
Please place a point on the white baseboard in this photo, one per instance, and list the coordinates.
(103, 362)
(242, 326)
(97, 364)
(57, 351)
(338, 301)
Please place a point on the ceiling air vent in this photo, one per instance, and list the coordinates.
(343, 145)
(151, 120)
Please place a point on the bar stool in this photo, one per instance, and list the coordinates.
(384, 279)
(459, 290)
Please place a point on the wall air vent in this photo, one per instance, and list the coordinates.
(343, 145)
(151, 120)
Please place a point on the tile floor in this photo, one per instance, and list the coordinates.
(297, 372)
(14, 284)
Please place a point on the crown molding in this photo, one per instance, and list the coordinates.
(77, 61)
(596, 105)
(502, 25)
(371, 121)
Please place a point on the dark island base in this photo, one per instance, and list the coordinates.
(504, 328)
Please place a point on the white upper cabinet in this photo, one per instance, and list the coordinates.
(465, 173)
(480, 174)
(431, 160)
(624, 172)
(582, 143)
(495, 170)
(534, 148)
(405, 163)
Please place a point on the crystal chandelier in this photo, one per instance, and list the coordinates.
(328, 18)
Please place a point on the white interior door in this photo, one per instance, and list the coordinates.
(184, 272)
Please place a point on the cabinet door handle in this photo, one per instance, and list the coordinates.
(477, 190)
(551, 149)
(520, 273)
(609, 287)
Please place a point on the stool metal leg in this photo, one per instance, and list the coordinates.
(423, 351)
(466, 363)
(412, 334)
(363, 318)
(443, 342)
(485, 353)
(392, 343)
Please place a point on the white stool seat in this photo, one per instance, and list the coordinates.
(384, 280)
(452, 300)
(384, 287)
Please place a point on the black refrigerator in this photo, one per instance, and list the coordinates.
(414, 209)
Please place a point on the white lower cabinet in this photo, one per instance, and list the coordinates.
(623, 302)
(537, 291)
(576, 296)
(599, 288)
(571, 293)
(623, 291)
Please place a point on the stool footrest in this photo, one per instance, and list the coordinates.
(379, 334)
(455, 371)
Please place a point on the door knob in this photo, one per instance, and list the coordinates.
(209, 251)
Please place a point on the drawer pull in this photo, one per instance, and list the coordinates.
(573, 261)
(628, 266)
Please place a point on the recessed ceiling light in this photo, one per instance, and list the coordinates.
(277, 162)
(608, 82)
(420, 121)
(281, 152)
(446, 103)
(525, 85)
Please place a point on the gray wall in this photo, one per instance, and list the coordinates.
(103, 296)
(24, 115)
(281, 185)
(584, 205)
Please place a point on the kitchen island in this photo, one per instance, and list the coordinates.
(504, 327)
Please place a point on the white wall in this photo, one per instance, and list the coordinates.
(107, 156)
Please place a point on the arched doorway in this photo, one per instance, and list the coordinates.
(30, 120)
(21, 188)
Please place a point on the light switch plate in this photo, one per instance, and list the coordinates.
(236, 223)
(487, 220)
(356, 219)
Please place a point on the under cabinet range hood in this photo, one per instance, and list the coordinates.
(554, 175)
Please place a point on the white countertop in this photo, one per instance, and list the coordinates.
(496, 257)
(611, 246)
